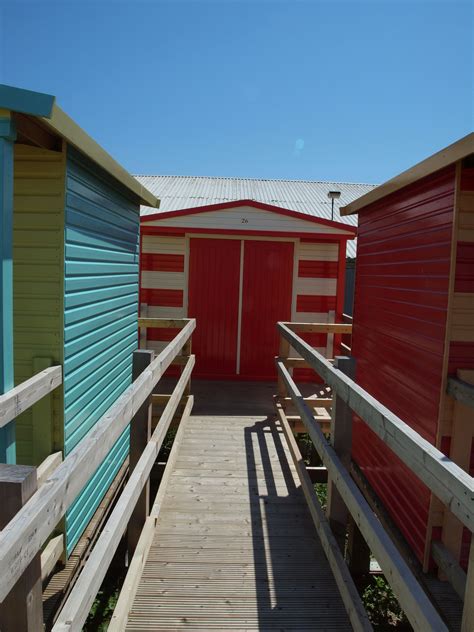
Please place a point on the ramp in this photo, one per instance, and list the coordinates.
(234, 547)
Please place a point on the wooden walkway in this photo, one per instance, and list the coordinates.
(234, 546)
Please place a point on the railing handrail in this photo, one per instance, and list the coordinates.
(21, 397)
(461, 391)
(450, 483)
(414, 601)
(74, 612)
(321, 328)
(24, 535)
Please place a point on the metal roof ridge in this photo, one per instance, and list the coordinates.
(253, 179)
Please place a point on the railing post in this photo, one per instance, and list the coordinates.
(357, 552)
(283, 353)
(22, 609)
(341, 440)
(468, 612)
(42, 417)
(186, 352)
(140, 432)
(143, 330)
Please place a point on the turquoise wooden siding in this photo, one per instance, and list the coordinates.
(100, 316)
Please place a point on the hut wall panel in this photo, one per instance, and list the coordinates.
(315, 294)
(461, 334)
(399, 332)
(101, 307)
(38, 250)
(162, 284)
(242, 219)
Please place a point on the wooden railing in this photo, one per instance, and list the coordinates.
(346, 504)
(23, 396)
(23, 537)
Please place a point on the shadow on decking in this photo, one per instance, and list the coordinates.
(294, 587)
(232, 397)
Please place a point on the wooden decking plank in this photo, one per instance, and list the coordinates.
(234, 546)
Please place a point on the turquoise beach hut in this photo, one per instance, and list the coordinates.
(69, 255)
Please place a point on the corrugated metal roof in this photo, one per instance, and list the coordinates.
(309, 197)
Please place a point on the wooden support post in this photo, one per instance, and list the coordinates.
(22, 609)
(143, 337)
(357, 552)
(468, 612)
(341, 440)
(330, 336)
(42, 417)
(283, 353)
(186, 353)
(140, 432)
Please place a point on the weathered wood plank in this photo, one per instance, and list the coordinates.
(78, 604)
(51, 556)
(450, 567)
(418, 608)
(132, 579)
(349, 594)
(23, 537)
(461, 391)
(322, 328)
(236, 556)
(48, 466)
(20, 398)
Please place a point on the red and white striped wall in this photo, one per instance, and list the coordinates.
(317, 287)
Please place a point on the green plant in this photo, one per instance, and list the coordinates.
(382, 606)
(321, 490)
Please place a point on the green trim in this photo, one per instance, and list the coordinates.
(26, 101)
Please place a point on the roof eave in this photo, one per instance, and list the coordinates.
(454, 152)
(64, 126)
(26, 101)
(43, 107)
(351, 230)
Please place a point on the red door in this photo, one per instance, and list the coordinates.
(214, 273)
(266, 299)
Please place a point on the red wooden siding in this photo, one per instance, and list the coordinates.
(162, 298)
(315, 269)
(266, 299)
(214, 273)
(162, 262)
(402, 282)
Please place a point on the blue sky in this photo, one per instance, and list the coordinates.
(352, 91)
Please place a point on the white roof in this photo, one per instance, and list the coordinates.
(305, 196)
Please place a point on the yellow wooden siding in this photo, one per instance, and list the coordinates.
(38, 269)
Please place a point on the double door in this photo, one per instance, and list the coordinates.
(237, 291)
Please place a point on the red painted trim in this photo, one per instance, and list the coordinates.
(341, 283)
(162, 262)
(309, 303)
(317, 269)
(168, 230)
(253, 203)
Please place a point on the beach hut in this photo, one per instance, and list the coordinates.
(70, 270)
(238, 267)
(414, 328)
